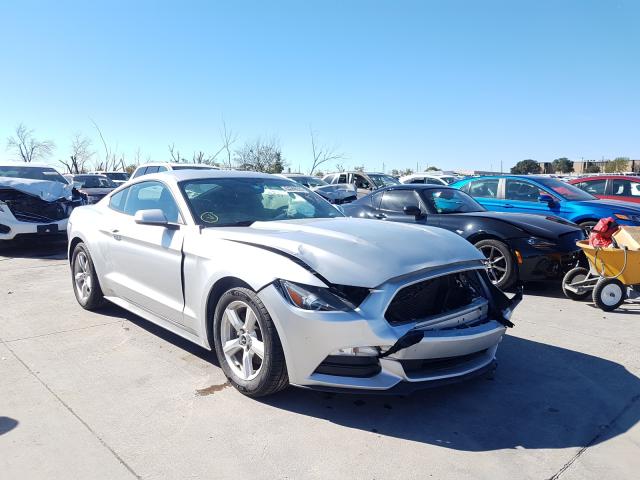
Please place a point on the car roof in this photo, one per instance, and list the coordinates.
(177, 164)
(12, 163)
(358, 171)
(605, 177)
(197, 174)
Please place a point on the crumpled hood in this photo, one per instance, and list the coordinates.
(546, 226)
(45, 189)
(357, 252)
(95, 191)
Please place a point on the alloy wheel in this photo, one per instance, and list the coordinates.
(496, 263)
(241, 338)
(82, 276)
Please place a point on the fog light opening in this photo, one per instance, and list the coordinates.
(358, 351)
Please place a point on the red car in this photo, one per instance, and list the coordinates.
(613, 187)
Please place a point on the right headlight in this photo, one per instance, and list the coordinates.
(309, 297)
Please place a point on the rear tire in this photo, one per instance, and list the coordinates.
(243, 325)
(502, 269)
(577, 274)
(587, 226)
(86, 286)
(609, 294)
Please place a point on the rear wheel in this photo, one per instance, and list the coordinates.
(500, 264)
(85, 281)
(247, 344)
(609, 293)
(574, 275)
(587, 226)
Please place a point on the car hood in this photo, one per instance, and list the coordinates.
(617, 204)
(45, 189)
(357, 252)
(537, 225)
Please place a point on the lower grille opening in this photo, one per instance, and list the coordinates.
(434, 366)
(434, 296)
(349, 366)
(4, 228)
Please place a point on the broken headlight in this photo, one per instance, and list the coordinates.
(309, 297)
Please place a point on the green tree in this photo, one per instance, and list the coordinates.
(563, 165)
(395, 172)
(591, 168)
(526, 166)
(617, 165)
(432, 168)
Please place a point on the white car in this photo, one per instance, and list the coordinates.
(286, 289)
(35, 200)
(149, 168)
(429, 179)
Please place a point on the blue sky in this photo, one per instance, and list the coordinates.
(457, 84)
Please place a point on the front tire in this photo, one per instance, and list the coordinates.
(247, 344)
(501, 268)
(85, 281)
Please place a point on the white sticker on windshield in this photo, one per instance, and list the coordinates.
(294, 189)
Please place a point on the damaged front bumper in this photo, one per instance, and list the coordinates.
(362, 350)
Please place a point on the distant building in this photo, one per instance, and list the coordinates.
(581, 166)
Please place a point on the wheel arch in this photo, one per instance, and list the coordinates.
(478, 237)
(72, 245)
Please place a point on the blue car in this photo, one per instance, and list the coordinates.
(546, 196)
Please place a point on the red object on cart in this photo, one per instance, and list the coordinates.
(601, 234)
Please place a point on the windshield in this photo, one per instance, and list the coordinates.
(383, 180)
(565, 190)
(123, 176)
(309, 181)
(32, 173)
(448, 200)
(223, 202)
(92, 181)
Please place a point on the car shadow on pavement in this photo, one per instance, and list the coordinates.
(51, 248)
(542, 397)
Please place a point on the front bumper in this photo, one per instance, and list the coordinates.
(542, 264)
(309, 337)
(10, 228)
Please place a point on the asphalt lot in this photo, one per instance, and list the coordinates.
(109, 395)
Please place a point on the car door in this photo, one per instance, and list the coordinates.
(363, 186)
(146, 260)
(522, 196)
(485, 192)
(623, 189)
(392, 205)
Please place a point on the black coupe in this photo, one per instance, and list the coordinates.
(517, 246)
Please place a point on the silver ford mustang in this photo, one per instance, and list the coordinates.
(284, 288)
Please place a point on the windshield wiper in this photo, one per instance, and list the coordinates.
(243, 223)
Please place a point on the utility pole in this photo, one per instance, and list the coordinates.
(500, 167)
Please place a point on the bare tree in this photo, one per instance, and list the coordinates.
(81, 153)
(229, 137)
(340, 167)
(321, 153)
(175, 154)
(261, 156)
(26, 147)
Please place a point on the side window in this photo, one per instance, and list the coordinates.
(396, 200)
(329, 178)
(434, 181)
(150, 195)
(151, 170)
(417, 180)
(484, 188)
(342, 178)
(162, 169)
(595, 187)
(139, 172)
(118, 200)
(360, 181)
(623, 188)
(521, 191)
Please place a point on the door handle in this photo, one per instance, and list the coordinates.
(116, 234)
(380, 216)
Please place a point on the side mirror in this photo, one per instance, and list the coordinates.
(546, 199)
(412, 210)
(153, 216)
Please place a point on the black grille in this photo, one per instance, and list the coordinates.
(433, 297)
(434, 366)
(349, 366)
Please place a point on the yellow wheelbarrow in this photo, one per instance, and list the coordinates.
(610, 274)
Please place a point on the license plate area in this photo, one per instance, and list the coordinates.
(48, 229)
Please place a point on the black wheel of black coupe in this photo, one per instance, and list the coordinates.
(247, 344)
(501, 266)
(577, 274)
(86, 286)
